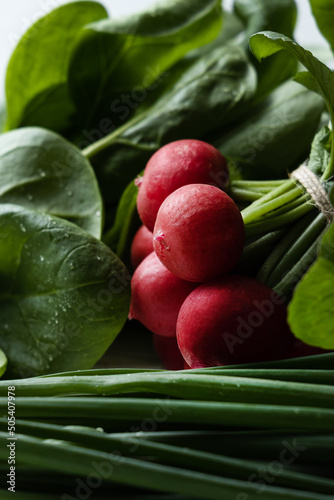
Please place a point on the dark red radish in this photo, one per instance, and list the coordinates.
(142, 246)
(199, 233)
(168, 352)
(179, 163)
(157, 296)
(230, 321)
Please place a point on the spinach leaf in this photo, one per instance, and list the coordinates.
(263, 15)
(323, 11)
(127, 221)
(3, 363)
(199, 96)
(37, 75)
(319, 77)
(41, 170)
(320, 151)
(311, 309)
(64, 296)
(276, 135)
(116, 56)
(276, 15)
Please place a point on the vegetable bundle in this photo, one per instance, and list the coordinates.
(234, 431)
(93, 101)
(78, 132)
(75, 132)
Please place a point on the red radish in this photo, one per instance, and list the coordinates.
(230, 321)
(175, 165)
(142, 246)
(199, 233)
(169, 352)
(157, 296)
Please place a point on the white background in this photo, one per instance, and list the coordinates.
(18, 15)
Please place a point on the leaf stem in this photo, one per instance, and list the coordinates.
(297, 250)
(329, 171)
(244, 195)
(108, 140)
(278, 253)
(286, 286)
(273, 223)
(252, 213)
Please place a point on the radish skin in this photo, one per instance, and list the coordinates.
(231, 321)
(157, 296)
(199, 233)
(175, 165)
(142, 246)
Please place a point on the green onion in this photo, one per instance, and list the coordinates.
(171, 454)
(104, 410)
(182, 385)
(58, 456)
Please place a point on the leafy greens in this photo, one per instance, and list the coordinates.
(64, 296)
(41, 170)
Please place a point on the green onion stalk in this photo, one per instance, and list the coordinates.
(158, 435)
(283, 224)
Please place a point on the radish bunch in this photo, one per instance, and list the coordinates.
(184, 288)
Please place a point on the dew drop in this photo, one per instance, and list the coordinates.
(98, 213)
(23, 229)
(139, 181)
(41, 258)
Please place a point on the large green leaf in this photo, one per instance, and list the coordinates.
(312, 307)
(41, 170)
(276, 135)
(323, 11)
(319, 77)
(64, 296)
(200, 95)
(37, 76)
(276, 15)
(263, 15)
(117, 56)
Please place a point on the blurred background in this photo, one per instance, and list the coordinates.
(19, 15)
